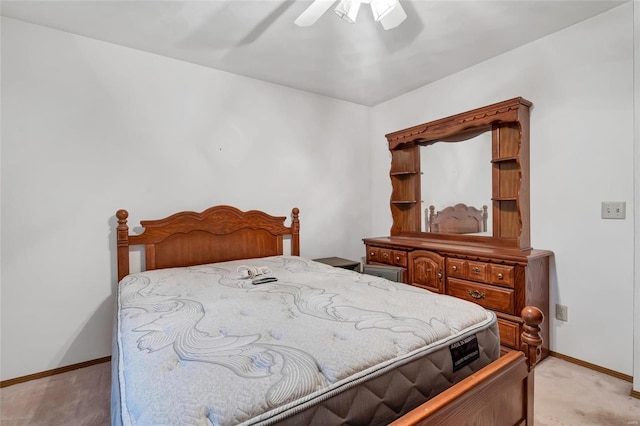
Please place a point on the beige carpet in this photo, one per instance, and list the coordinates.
(75, 398)
(566, 394)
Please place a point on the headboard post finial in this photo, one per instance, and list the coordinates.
(123, 243)
(485, 216)
(122, 216)
(432, 215)
(295, 231)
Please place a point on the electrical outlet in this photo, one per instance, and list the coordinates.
(562, 312)
(614, 209)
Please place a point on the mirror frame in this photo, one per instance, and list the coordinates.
(509, 124)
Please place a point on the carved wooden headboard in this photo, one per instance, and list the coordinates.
(218, 234)
(458, 219)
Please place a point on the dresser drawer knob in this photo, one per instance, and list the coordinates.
(476, 269)
(500, 276)
(385, 254)
(372, 254)
(397, 258)
(454, 268)
(476, 294)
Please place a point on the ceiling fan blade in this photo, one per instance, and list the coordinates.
(394, 18)
(313, 12)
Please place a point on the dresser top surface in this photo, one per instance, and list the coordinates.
(413, 243)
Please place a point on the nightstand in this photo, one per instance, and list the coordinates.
(340, 263)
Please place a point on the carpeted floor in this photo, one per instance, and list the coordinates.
(566, 394)
(79, 398)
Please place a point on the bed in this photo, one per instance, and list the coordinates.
(196, 342)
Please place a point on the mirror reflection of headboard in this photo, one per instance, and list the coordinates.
(458, 219)
(453, 172)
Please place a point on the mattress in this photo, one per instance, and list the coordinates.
(202, 345)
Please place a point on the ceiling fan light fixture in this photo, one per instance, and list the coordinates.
(389, 13)
(347, 10)
(380, 8)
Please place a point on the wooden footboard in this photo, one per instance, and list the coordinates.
(498, 395)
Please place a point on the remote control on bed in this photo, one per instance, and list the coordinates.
(263, 280)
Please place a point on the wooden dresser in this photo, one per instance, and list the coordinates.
(503, 280)
(498, 270)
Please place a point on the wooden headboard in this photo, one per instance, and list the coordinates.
(458, 219)
(218, 234)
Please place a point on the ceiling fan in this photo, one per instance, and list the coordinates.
(388, 12)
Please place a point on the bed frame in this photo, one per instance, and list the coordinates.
(499, 394)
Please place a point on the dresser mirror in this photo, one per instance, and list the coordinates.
(456, 172)
(477, 158)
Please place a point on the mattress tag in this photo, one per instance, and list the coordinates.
(464, 352)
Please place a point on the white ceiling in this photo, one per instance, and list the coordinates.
(359, 62)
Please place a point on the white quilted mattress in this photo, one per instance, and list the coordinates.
(201, 345)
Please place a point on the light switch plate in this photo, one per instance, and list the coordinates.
(614, 209)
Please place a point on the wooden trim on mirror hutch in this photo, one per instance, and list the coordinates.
(499, 271)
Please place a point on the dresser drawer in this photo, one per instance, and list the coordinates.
(502, 275)
(373, 253)
(456, 268)
(478, 271)
(509, 333)
(386, 256)
(399, 258)
(494, 298)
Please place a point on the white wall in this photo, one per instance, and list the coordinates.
(89, 128)
(580, 81)
(636, 191)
